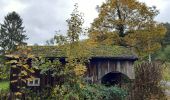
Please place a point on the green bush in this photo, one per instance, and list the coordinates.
(101, 92)
(88, 92)
(35, 95)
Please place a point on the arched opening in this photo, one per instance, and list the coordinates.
(115, 78)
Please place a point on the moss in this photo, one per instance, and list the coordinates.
(47, 51)
(97, 51)
(110, 51)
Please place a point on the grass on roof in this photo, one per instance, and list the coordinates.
(102, 50)
(110, 51)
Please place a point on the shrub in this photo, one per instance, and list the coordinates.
(88, 92)
(148, 81)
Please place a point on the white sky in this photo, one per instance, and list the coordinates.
(43, 17)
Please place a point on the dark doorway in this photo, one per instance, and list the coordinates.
(115, 78)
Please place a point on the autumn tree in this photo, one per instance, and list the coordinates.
(163, 53)
(127, 23)
(20, 70)
(75, 25)
(70, 75)
(72, 38)
(12, 32)
(75, 30)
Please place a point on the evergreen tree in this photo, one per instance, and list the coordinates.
(12, 32)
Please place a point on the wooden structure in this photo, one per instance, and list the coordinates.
(105, 64)
(102, 66)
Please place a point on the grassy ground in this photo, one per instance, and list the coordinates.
(166, 72)
(166, 76)
(4, 85)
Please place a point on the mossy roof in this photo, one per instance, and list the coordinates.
(47, 51)
(102, 51)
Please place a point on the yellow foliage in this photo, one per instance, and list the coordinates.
(14, 74)
(80, 69)
(11, 61)
(81, 85)
(13, 81)
(12, 56)
(29, 79)
(13, 66)
(25, 66)
(128, 23)
(18, 93)
(146, 41)
(24, 73)
(23, 80)
(30, 56)
(22, 55)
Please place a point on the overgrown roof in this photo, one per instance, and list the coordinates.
(102, 51)
(47, 51)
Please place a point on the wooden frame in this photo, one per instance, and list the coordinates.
(34, 82)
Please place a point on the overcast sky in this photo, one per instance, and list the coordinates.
(42, 18)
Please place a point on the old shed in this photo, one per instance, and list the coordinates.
(108, 64)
